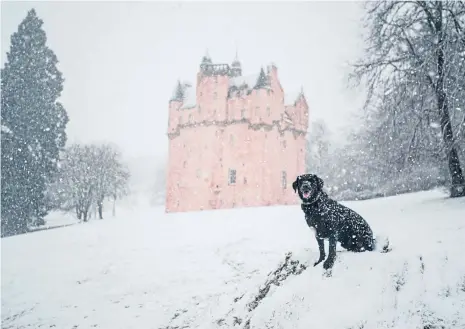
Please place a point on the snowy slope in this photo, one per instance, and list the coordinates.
(146, 269)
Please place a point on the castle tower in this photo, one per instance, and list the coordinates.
(236, 68)
(206, 62)
(178, 93)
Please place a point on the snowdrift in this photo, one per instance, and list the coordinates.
(242, 268)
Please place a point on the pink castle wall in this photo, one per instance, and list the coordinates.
(208, 139)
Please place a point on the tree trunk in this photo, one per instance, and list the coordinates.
(85, 216)
(114, 207)
(78, 213)
(100, 209)
(457, 179)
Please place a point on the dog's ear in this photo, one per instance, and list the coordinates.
(319, 182)
(295, 185)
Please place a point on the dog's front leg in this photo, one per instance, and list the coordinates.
(331, 254)
(321, 247)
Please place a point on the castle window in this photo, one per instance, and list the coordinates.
(215, 95)
(200, 109)
(284, 144)
(184, 164)
(180, 120)
(232, 176)
(245, 180)
(268, 91)
(231, 139)
(190, 118)
(198, 173)
(284, 180)
(200, 94)
(243, 114)
(268, 111)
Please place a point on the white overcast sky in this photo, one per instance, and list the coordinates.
(121, 60)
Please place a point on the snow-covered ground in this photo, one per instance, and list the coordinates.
(147, 269)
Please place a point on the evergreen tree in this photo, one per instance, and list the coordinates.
(33, 126)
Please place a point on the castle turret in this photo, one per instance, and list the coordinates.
(178, 93)
(236, 67)
(262, 81)
(206, 62)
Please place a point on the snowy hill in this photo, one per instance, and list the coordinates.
(219, 269)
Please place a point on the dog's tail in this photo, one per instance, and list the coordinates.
(382, 244)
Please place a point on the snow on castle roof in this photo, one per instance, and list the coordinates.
(249, 80)
(291, 98)
(190, 97)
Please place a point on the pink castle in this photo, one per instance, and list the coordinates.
(234, 141)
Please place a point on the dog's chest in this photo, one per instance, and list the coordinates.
(323, 230)
(322, 227)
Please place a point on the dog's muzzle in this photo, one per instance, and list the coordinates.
(306, 190)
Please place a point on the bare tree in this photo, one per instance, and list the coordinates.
(111, 176)
(88, 174)
(119, 186)
(75, 185)
(414, 68)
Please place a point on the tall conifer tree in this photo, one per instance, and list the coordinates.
(33, 125)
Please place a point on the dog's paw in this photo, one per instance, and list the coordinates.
(328, 273)
(328, 264)
(382, 244)
(318, 261)
(385, 247)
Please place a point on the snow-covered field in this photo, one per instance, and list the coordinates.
(146, 269)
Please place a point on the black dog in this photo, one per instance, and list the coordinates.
(331, 220)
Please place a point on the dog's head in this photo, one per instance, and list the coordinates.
(308, 186)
